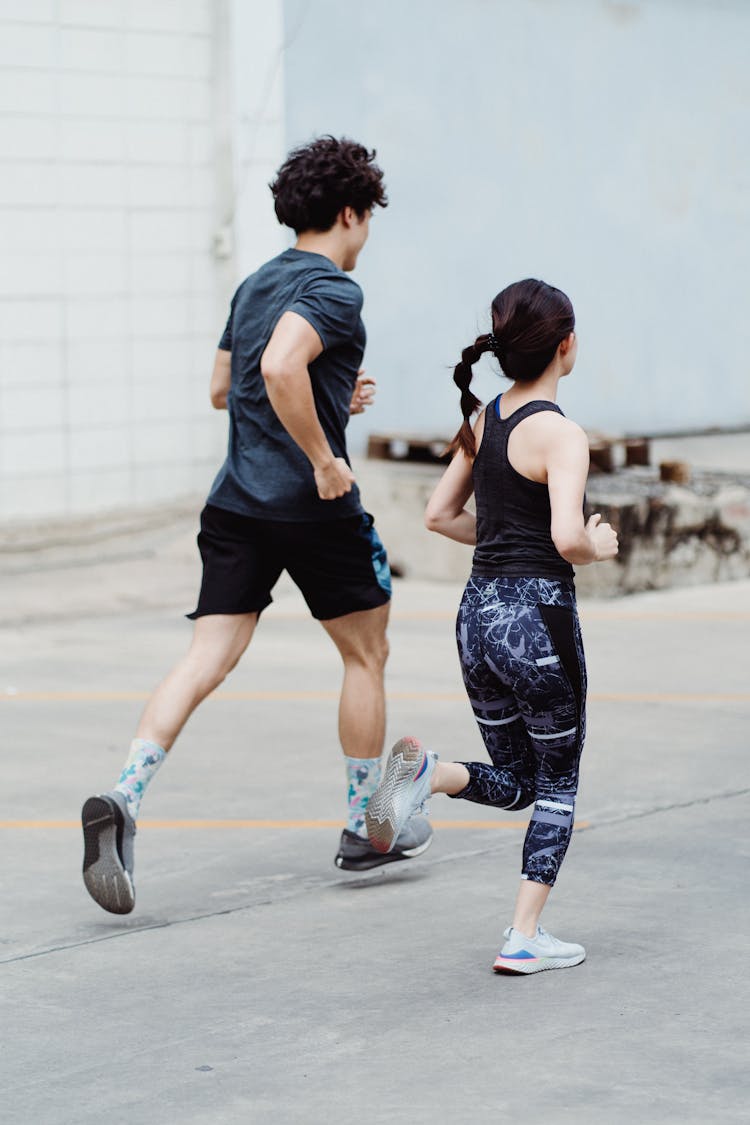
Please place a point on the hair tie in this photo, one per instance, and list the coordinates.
(492, 343)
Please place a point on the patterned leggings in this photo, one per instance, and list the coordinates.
(522, 659)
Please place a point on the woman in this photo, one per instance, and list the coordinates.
(519, 640)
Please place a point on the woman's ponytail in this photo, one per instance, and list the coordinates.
(462, 374)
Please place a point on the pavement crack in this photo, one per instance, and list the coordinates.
(310, 885)
(641, 814)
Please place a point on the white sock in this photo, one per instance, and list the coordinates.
(143, 761)
(363, 775)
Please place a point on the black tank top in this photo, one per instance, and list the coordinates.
(513, 512)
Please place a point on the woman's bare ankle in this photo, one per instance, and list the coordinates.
(449, 777)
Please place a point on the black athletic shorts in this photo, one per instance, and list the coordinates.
(339, 565)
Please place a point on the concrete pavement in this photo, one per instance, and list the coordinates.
(256, 983)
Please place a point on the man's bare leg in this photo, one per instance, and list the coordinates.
(219, 641)
(361, 640)
(109, 818)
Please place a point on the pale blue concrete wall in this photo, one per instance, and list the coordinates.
(601, 146)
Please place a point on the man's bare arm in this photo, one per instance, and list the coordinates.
(284, 365)
(221, 379)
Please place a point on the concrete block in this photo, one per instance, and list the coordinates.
(202, 187)
(201, 145)
(154, 483)
(196, 395)
(28, 45)
(93, 184)
(160, 230)
(169, 99)
(29, 11)
(161, 442)
(30, 184)
(158, 358)
(202, 229)
(32, 497)
(158, 400)
(87, 362)
(176, 56)
(28, 91)
(28, 138)
(96, 275)
(30, 230)
(92, 13)
(160, 317)
(37, 453)
(30, 275)
(96, 491)
(30, 364)
(157, 142)
(100, 447)
(84, 49)
(35, 320)
(28, 409)
(208, 442)
(92, 141)
(102, 229)
(93, 404)
(689, 511)
(161, 274)
(732, 505)
(93, 95)
(94, 319)
(188, 16)
(158, 185)
(691, 561)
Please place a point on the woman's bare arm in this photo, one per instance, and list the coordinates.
(446, 512)
(567, 460)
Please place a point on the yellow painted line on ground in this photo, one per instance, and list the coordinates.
(597, 615)
(319, 696)
(297, 824)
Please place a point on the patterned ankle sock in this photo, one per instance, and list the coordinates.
(143, 761)
(363, 775)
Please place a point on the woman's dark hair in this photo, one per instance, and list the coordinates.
(529, 321)
(317, 180)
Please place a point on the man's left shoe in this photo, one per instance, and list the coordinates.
(524, 955)
(356, 853)
(108, 834)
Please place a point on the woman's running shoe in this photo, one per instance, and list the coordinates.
(108, 833)
(522, 954)
(357, 853)
(403, 790)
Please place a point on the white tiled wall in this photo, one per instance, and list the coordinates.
(120, 128)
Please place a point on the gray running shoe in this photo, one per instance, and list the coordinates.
(357, 854)
(108, 833)
(521, 954)
(404, 789)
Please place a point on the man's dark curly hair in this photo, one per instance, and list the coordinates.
(317, 180)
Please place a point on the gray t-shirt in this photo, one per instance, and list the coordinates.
(266, 474)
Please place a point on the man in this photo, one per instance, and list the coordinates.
(285, 499)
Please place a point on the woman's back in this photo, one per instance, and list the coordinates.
(513, 537)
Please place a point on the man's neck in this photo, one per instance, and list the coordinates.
(325, 242)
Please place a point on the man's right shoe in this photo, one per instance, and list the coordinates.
(108, 833)
(356, 853)
(404, 788)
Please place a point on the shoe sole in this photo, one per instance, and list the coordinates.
(378, 861)
(384, 821)
(104, 877)
(521, 968)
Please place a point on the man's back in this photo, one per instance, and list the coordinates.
(266, 474)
